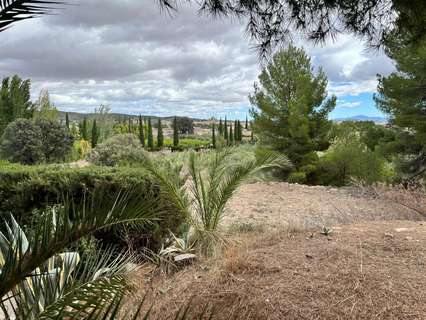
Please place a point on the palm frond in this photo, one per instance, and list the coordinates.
(16, 10)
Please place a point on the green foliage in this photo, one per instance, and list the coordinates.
(225, 131)
(26, 191)
(141, 132)
(213, 136)
(185, 125)
(290, 109)
(297, 177)
(175, 133)
(160, 137)
(150, 136)
(231, 136)
(401, 95)
(22, 142)
(84, 130)
(15, 101)
(44, 109)
(67, 121)
(95, 134)
(220, 127)
(119, 149)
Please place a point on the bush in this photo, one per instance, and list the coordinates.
(24, 190)
(119, 149)
(297, 177)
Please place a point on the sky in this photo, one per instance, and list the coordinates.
(137, 59)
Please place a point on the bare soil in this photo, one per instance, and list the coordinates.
(372, 266)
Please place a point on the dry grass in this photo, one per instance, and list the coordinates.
(361, 272)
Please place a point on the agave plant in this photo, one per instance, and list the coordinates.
(39, 279)
(16, 10)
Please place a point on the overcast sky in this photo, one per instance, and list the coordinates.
(136, 59)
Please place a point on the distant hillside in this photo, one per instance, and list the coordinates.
(76, 116)
(362, 118)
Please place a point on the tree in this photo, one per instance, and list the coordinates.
(56, 142)
(236, 131)
(240, 131)
(290, 109)
(84, 130)
(225, 131)
(220, 127)
(150, 136)
(185, 125)
(272, 22)
(402, 96)
(160, 137)
(67, 121)
(22, 142)
(15, 100)
(95, 134)
(213, 136)
(246, 127)
(141, 132)
(175, 133)
(44, 108)
(231, 136)
(130, 128)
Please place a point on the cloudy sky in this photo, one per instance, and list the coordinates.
(136, 59)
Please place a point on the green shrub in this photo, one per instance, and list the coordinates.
(119, 149)
(24, 190)
(187, 143)
(297, 177)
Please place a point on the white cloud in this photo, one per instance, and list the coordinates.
(346, 104)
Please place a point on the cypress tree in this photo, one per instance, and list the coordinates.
(213, 136)
(220, 127)
(95, 134)
(150, 137)
(141, 132)
(231, 136)
(175, 133)
(67, 121)
(225, 131)
(235, 131)
(246, 123)
(160, 137)
(84, 132)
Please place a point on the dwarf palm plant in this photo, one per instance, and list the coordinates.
(204, 195)
(38, 279)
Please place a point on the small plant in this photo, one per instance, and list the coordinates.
(326, 231)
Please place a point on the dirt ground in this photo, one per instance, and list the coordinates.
(372, 266)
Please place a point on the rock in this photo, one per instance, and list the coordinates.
(388, 235)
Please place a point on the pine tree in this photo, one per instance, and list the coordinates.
(246, 123)
(95, 134)
(141, 132)
(67, 121)
(175, 133)
(225, 131)
(220, 127)
(84, 130)
(160, 137)
(231, 136)
(150, 137)
(213, 136)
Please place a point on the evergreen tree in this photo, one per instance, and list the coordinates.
(130, 125)
(252, 136)
(141, 132)
(67, 121)
(175, 133)
(402, 96)
(95, 134)
(231, 136)
(235, 130)
(246, 127)
(240, 131)
(225, 131)
(160, 137)
(293, 121)
(213, 135)
(84, 130)
(150, 136)
(14, 101)
(220, 127)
